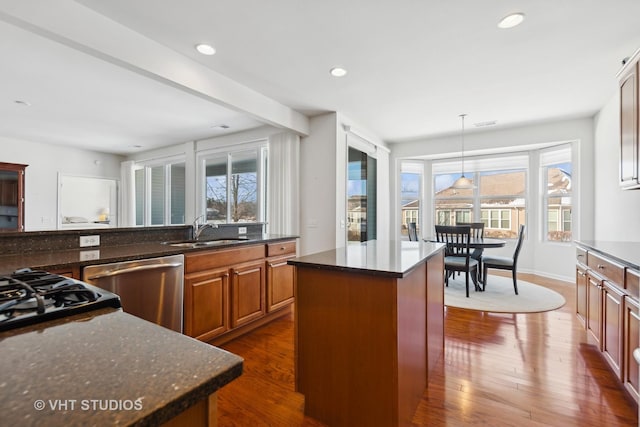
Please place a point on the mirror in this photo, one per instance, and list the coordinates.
(87, 202)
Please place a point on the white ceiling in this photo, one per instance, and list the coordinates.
(413, 67)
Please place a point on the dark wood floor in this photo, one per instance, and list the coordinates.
(498, 370)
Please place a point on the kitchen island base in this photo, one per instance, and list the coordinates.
(366, 341)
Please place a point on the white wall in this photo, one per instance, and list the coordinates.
(616, 210)
(318, 185)
(323, 185)
(550, 259)
(41, 176)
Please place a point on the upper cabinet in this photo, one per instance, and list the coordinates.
(629, 119)
(12, 197)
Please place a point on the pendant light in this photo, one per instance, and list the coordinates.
(463, 183)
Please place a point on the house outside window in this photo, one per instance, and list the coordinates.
(498, 198)
(411, 177)
(556, 170)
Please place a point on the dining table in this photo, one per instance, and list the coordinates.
(478, 243)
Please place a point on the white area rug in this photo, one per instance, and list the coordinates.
(500, 297)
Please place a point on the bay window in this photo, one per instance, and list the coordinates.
(498, 198)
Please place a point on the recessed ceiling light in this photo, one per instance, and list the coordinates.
(338, 72)
(205, 49)
(511, 21)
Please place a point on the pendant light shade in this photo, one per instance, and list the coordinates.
(463, 183)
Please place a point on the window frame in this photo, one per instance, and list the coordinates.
(261, 149)
(552, 157)
(147, 166)
(474, 168)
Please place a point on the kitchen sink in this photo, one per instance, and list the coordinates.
(206, 243)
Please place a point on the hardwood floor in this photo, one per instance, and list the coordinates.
(498, 370)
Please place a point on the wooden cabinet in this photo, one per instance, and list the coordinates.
(631, 341)
(206, 296)
(611, 312)
(247, 290)
(594, 307)
(12, 197)
(231, 291)
(629, 122)
(612, 326)
(280, 289)
(581, 289)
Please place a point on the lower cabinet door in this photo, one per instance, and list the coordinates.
(594, 308)
(279, 283)
(206, 313)
(247, 293)
(631, 339)
(612, 325)
(581, 293)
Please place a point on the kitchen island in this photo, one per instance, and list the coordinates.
(369, 328)
(106, 367)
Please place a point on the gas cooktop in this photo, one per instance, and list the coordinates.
(32, 296)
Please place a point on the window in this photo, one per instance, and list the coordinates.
(498, 198)
(160, 193)
(496, 218)
(556, 180)
(235, 185)
(410, 195)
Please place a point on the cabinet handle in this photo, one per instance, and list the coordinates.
(601, 267)
(282, 248)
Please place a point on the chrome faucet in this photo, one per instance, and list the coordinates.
(199, 228)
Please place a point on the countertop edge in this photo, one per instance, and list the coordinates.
(301, 262)
(593, 246)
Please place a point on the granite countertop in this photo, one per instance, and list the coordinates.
(55, 259)
(138, 373)
(626, 253)
(391, 257)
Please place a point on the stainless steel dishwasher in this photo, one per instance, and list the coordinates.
(150, 288)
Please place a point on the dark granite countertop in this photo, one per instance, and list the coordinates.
(139, 373)
(392, 258)
(626, 253)
(57, 259)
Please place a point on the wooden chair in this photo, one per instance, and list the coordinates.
(504, 263)
(413, 232)
(477, 232)
(457, 253)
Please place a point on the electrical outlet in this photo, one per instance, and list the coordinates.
(89, 241)
(89, 255)
(242, 230)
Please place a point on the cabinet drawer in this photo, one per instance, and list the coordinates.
(632, 283)
(606, 268)
(581, 255)
(206, 260)
(281, 248)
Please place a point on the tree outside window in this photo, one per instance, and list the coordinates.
(232, 187)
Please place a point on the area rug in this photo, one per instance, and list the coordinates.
(500, 297)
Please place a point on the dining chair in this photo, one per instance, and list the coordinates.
(413, 232)
(477, 232)
(504, 263)
(457, 253)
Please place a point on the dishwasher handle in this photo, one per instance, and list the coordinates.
(134, 269)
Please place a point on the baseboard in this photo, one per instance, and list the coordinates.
(569, 280)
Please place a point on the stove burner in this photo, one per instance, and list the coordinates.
(30, 296)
